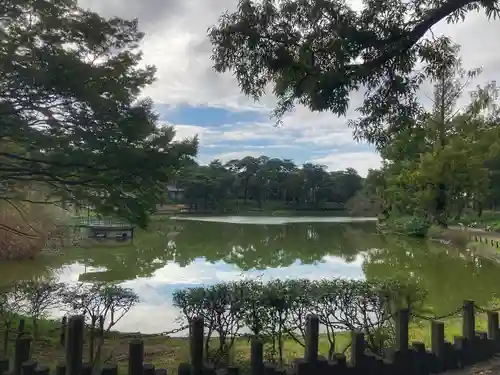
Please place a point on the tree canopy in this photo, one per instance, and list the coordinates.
(446, 159)
(317, 52)
(264, 180)
(73, 122)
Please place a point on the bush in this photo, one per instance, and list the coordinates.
(279, 309)
(363, 205)
(415, 226)
(495, 226)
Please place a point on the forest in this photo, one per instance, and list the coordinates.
(265, 182)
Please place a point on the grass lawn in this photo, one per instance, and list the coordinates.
(169, 352)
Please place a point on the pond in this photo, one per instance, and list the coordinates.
(187, 251)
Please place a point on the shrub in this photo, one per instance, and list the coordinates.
(279, 309)
(495, 226)
(415, 226)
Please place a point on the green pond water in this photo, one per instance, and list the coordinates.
(187, 251)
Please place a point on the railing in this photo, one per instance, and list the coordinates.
(105, 222)
(405, 359)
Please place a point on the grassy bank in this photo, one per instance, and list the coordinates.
(415, 226)
(169, 352)
(455, 237)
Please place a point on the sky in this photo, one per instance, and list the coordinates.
(197, 101)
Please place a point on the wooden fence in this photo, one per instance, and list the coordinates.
(405, 359)
(486, 240)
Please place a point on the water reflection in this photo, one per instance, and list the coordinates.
(274, 220)
(174, 254)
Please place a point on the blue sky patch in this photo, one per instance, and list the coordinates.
(229, 134)
(206, 116)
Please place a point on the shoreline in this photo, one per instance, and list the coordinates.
(478, 231)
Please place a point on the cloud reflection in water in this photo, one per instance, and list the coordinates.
(155, 312)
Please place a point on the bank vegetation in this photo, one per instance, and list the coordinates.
(233, 312)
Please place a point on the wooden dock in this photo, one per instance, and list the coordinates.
(105, 229)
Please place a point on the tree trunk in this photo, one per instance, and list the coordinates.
(441, 206)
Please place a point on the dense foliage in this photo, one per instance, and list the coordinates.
(279, 309)
(444, 163)
(317, 53)
(267, 180)
(72, 124)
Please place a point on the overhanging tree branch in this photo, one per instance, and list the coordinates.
(399, 44)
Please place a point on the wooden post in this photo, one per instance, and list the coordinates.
(257, 357)
(312, 339)
(61, 369)
(340, 360)
(135, 357)
(469, 324)
(270, 369)
(74, 345)
(28, 367)
(301, 367)
(493, 329)
(184, 369)
(209, 370)
(110, 369)
(22, 353)
(148, 369)
(196, 346)
(402, 322)
(20, 327)
(42, 370)
(62, 334)
(4, 365)
(437, 343)
(357, 348)
(86, 369)
(419, 360)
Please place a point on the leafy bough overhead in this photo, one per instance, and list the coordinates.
(317, 52)
(72, 122)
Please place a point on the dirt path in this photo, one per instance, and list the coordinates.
(477, 231)
(491, 367)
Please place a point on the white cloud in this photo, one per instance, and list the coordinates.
(360, 161)
(227, 156)
(189, 131)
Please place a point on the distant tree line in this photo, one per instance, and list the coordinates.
(262, 181)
